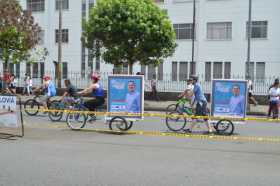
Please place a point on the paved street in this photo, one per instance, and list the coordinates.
(51, 154)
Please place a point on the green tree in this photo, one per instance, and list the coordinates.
(18, 32)
(129, 31)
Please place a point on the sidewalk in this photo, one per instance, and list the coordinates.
(260, 110)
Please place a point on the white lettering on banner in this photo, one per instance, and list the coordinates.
(8, 114)
(8, 101)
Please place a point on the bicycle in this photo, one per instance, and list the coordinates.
(56, 106)
(32, 106)
(78, 117)
(176, 121)
(174, 106)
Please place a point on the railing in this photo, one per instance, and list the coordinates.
(164, 85)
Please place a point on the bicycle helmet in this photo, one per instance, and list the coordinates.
(46, 77)
(95, 76)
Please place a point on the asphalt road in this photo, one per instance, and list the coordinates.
(51, 154)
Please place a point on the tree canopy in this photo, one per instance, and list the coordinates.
(18, 32)
(129, 31)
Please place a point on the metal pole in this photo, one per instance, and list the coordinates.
(249, 40)
(193, 36)
(59, 46)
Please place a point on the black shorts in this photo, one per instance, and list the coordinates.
(93, 103)
(201, 108)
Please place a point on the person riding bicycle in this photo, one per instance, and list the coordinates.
(201, 104)
(48, 89)
(97, 93)
(70, 94)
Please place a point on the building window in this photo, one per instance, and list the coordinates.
(260, 71)
(42, 69)
(183, 71)
(64, 4)
(18, 70)
(259, 29)
(64, 35)
(11, 68)
(219, 30)
(41, 37)
(36, 5)
(192, 68)
(227, 73)
(90, 4)
(218, 70)
(151, 72)
(84, 9)
(143, 69)
(64, 70)
(35, 70)
(28, 69)
(160, 72)
(183, 31)
(250, 71)
(208, 71)
(174, 71)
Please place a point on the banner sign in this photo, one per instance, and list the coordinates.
(8, 112)
(126, 95)
(229, 98)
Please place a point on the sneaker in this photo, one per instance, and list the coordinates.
(187, 130)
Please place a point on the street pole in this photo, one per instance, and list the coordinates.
(249, 41)
(59, 61)
(193, 37)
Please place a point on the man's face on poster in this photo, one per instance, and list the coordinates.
(131, 86)
(236, 90)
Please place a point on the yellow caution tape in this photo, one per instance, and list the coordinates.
(161, 115)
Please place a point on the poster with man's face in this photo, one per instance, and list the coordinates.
(125, 95)
(229, 98)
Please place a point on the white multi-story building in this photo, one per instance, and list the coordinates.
(220, 47)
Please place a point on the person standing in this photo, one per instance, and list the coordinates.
(274, 93)
(27, 85)
(154, 88)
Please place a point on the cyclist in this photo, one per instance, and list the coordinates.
(201, 104)
(97, 93)
(70, 94)
(48, 89)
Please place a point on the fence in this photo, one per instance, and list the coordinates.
(164, 84)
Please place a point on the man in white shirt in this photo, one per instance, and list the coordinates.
(274, 93)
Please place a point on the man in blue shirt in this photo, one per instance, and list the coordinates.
(237, 102)
(132, 98)
(201, 104)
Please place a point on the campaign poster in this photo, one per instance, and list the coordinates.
(8, 113)
(229, 98)
(126, 95)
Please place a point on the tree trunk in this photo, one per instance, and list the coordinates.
(130, 68)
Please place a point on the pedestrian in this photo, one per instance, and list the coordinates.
(154, 88)
(250, 93)
(12, 84)
(27, 85)
(274, 93)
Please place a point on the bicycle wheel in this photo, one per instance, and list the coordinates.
(76, 121)
(224, 127)
(171, 108)
(118, 123)
(175, 121)
(129, 125)
(55, 115)
(31, 107)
